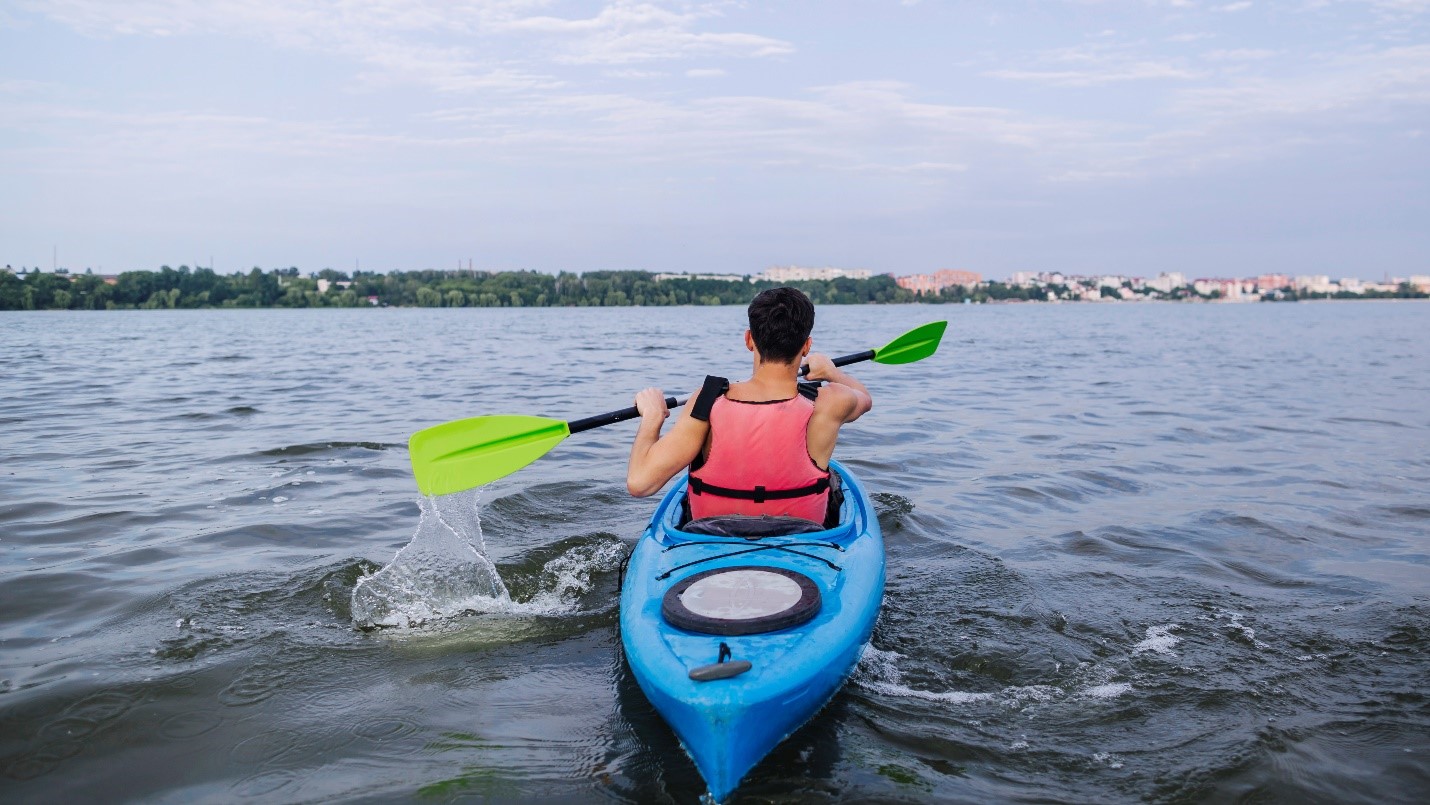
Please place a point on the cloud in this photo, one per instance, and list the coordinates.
(505, 44)
(18, 86)
(1247, 118)
(1354, 80)
(1135, 71)
(1093, 65)
(630, 74)
(1240, 55)
(628, 32)
(1193, 111)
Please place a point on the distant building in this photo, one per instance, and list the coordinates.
(715, 277)
(1272, 282)
(1166, 281)
(1028, 279)
(1229, 290)
(799, 273)
(1421, 281)
(937, 281)
(1316, 283)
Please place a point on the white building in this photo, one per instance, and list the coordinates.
(1229, 289)
(798, 273)
(716, 277)
(1315, 283)
(1166, 281)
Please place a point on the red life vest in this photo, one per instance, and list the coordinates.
(759, 459)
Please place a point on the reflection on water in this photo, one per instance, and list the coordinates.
(1159, 552)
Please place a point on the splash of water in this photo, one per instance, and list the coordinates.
(443, 572)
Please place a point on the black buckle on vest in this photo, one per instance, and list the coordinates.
(759, 494)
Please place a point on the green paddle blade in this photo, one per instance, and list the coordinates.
(467, 453)
(915, 345)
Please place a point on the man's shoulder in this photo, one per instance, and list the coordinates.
(835, 398)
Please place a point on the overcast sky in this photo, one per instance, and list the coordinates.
(1088, 136)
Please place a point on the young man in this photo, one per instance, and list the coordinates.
(759, 446)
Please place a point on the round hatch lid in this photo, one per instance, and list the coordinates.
(741, 600)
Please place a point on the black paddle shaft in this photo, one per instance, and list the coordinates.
(612, 417)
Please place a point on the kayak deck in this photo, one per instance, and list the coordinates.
(728, 725)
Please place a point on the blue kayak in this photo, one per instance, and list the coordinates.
(740, 629)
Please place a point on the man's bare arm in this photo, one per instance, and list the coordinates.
(655, 459)
(842, 407)
(843, 399)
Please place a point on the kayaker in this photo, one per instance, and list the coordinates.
(760, 446)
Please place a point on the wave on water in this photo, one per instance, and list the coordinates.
(878, 670)
(444, 573)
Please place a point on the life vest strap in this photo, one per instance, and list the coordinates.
(759, 494)
(713, 389)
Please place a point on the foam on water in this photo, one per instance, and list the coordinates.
(1109, 691)
(878, 671)
(443, 572)
(1159, 640)
(568, 576)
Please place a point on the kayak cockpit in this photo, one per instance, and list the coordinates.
(670, 524)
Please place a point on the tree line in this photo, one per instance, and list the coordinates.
(183, 287)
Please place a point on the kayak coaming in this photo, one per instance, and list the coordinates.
(727, 726)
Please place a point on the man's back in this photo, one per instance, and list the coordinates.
(761, 451)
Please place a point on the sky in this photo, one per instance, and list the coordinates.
(1224, 138)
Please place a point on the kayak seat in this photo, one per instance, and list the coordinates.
(751, 526)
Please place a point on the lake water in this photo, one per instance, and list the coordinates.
(1156, 552)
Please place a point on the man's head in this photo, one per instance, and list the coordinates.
(780, 322)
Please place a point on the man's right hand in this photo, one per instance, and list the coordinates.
(651, 404)
(820, 367)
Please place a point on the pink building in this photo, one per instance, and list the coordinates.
(937, 281)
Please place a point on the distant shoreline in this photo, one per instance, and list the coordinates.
(921, 303)
(168, 289)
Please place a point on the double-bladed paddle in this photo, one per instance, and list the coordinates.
(467, 453)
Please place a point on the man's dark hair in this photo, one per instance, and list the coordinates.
(780, 320)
